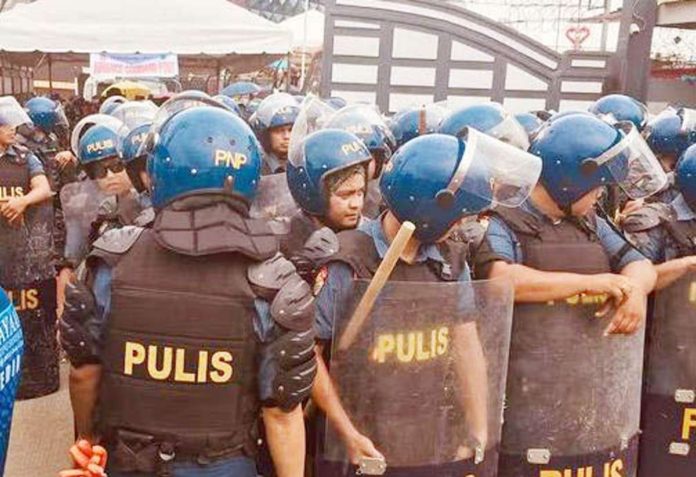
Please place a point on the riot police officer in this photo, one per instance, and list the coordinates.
(272, 121)
(48, 140)
(669, 134)
(429, 183)
(186, 330)
(27, 266)
(328, 180)
(11, 364)
(570, 269)
(100, 150)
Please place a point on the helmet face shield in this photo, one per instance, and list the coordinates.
(631, 163)
(688, 119)
(512, 172)
(510, 131)
(93, 120)
(135, 113)
(313, 115)
(11, 113)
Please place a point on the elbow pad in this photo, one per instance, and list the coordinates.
(287, 370)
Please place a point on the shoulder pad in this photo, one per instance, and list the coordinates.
(118, 241)
(647, 217)
(321, 245)
(279, 226)
(271, 274)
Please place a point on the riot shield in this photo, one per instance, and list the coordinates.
(423, 378)
(573, 394)
(668, 443)
(11, 349)
(80, 202)
(273, 199)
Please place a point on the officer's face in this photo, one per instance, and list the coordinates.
(346, 203)
(115, 183)
(7, 135)
(280, 140)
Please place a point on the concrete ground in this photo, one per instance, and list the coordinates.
(42, 432)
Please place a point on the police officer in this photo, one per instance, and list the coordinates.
(26, 252)
(556, 251)
(272, 121)
(100, 149)
(186, 330)
(11, 363)
(666, 233)
(327, 179)
(669, 134)
(44, 140)
(428, 183)
(619, 107)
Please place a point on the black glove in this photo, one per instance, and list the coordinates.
(79, 345)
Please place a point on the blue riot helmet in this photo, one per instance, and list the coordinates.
(11, 357)
(686, 176)
(436, 180)
(204, 150)
(241, 88)
(111, 103)
(134, 113)
(321, 154)
(135, 163)
(417, 121)
(489, 118)
(366, 123)
(46, 114)
(619, 107)
(581, 153)
(90, 121)
(99, 143)
(276, 110)
(572, 112)
(229, 102)
(250, 108)
(530, 122)
(671, 132)
(336, 102)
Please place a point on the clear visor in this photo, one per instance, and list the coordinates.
(632, 164)
(688, 119)
(93, 120)
(512, 172)
(134, 114)
(271, 105)
(510, 130)
(61, 118)
(171, 107)
(12, 113)
(314, 114)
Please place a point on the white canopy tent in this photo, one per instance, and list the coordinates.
(210, 27)
(314, 22)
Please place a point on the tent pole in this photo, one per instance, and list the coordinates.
(50, 74)
(304, 48)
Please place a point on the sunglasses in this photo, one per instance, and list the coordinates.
(99, 170)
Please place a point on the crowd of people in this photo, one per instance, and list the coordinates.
(205, 261)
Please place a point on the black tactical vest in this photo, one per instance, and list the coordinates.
(562, 412)
(301, 228)
(684, 234)
(179, 355)
(14, 177)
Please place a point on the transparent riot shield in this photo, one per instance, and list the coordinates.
(80, 202)
(273, 199)
(573, 394)
(422, 377)
(668, 442)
